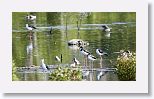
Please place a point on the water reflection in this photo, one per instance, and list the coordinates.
(29, 58)
(107, 34)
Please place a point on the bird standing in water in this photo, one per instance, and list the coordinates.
(106, 28)
(44, 66)
(101, 53)
(85, 53)
(31, 17)
(30, 28)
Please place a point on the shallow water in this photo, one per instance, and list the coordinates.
(28, 51)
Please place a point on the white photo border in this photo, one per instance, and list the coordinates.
(138, 86)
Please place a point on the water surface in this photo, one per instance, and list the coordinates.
(28, 51)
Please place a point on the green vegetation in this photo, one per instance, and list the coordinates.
(126, 65)
(66, 74)
(14, 76)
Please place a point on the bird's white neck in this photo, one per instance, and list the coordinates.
(42, 61)
(26, 25)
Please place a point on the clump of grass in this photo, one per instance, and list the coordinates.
(66, 74)
(126, 65)
(14, 76)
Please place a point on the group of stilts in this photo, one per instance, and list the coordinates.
(87, 55)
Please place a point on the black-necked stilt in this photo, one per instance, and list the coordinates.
(123, 53)
(91, 57)
(30, 28)
(100, 74)
(31, 17)
(44, 66)
(106, 28)
(129, 53)
(101, 53)
(85, 53)
(126, 54)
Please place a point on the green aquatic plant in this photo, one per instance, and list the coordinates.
(14, 75)
(126, 65)
(66, 74)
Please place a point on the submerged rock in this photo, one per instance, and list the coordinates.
(78, 42)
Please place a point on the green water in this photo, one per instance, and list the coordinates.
(27, 52)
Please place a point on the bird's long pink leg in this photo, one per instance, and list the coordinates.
(30, 35)
(86, 62)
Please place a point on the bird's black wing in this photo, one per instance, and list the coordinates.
(33, 27)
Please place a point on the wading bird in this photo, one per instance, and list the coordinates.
(106, 28)
(44, 66)
(85, 53)
(30, 27)
(31, 17)
(101, 53)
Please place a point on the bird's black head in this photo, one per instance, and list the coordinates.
(73, 59)
(127, 51)
(104, 27)
(81, 48)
